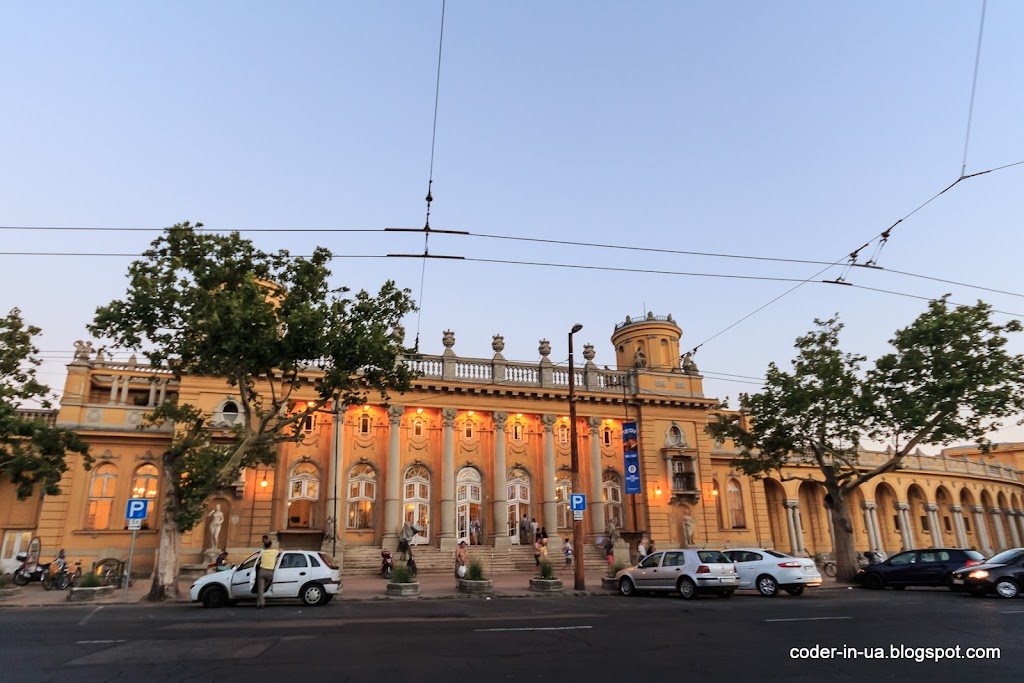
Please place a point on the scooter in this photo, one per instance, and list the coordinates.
(387, 564)
(23, 575)
(49, 574)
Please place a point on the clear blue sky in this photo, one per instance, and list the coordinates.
(791, 129)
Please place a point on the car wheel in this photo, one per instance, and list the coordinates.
(1007, 588)
(767, 586)
(214, 597)
(313, 594)
(626, 587)
(725, 594)
(687, 588)
(874, 582)
(795, 590)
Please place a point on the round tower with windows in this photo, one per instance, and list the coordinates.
(647, 343)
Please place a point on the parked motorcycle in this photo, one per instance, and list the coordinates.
(24, 575)
(387, 564)
(49, 574)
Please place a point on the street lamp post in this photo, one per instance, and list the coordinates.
(579, 581)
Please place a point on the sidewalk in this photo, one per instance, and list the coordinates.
(433, 586)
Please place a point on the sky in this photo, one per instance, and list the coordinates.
(790, 130)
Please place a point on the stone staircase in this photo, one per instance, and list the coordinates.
(430, 560)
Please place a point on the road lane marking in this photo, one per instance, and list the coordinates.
(811, 619)
(355, 621)
(90, 615)
(99, 642)
(533, 628)
(1015, 611)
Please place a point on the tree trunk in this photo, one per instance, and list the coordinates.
(844, 552)
(165, 569)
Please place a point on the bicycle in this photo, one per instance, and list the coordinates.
(827, 566)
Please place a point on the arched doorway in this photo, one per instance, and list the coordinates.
(888, 519)
(943, 500)
(817, 538)
(469, 506)
(416, 503)
(918, 514)
(518, 489)
(611, 488)
(563, 488)
(973, 536)
(775, 497)
(990, 523)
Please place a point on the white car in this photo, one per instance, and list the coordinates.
(310, 576)
(687, 571)
(769, 570)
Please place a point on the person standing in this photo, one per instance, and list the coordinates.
(641, 551)
(650, 546)
(460, 562)
(544, 543)
(524, 528)
(567, 551)
(265, 571)
(536, 550)
(534, 528)
(609, 555)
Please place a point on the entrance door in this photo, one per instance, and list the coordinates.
(468, 499)
(518, 503)
(14, 542)
(416, 506)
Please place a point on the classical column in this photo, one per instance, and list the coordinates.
(501, 539)
(392, 503)
(874, 533)
(1020, 523)
(152, 395)
(933, 525)
(958, 525)
(448, 479)
(997, 521)
(113, 389)
(163, 392)
(794, 545)
(596, 504)
(550, 519)
(984, 545)
(1011, 520)
(906, 531)
(125, 381)
(798, 522)
(337, 529)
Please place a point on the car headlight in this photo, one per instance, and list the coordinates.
(978, 574)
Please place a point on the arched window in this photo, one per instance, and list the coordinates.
(144, 484)
(563, 434)
(101, 496)
(365, 423)
(362, 493)
(416, 504)
(303, 491)
(417, 427)
(517, 431)
(736, 517)
(606, 436)
(611, 487)
(717, 493)
(563, 487)
(467, 431)
(230, 412)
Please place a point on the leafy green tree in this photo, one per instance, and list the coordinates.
(32, 453)
(948, 379)
(272, 327)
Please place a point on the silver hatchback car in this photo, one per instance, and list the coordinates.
(687, 571)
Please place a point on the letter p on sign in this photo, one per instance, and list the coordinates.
(137, 508)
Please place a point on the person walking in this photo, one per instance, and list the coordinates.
(641, 550)
(265, 571)
(460, 562)
(650, 546)
(537, 545)
(609, 555)
(534, 528)
(544, 543)
(567, 551)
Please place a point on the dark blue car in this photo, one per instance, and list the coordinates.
(930, 567)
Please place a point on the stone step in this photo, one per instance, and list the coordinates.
(365, 559)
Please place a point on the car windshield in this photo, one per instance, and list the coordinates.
(776, 554)
(1006, 557)
(250, 561)
(713, 556)
(973, 555)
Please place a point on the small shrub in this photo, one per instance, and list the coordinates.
(546, 570)
(90, 581)
(618, 567)
(4, 581)
(402, 575)
(475, 570)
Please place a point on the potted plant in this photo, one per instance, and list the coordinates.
(90, 587)
(402, 584)
(546, 582)
(609, 581)
(474, 581)
(7, 589)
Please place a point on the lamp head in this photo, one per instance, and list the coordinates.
(576, 328)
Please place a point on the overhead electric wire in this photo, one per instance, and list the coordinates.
(974, 86)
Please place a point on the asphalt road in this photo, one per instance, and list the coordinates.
(746, 638)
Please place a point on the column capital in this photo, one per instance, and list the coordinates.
(791, 503)
(448, 416)
(594, 423)
(931, 507)
(549, 422)
(995, 511)
(977, 509)
(956, 508)
(395, 414)
(500, 418)
(869, 505)
(903, 506)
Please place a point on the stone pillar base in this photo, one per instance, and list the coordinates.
(502, 542)
(448, 544)
(390, 541)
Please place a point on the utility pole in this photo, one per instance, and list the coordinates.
(579, 580)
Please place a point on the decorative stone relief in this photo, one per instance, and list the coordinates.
(448, 416)
(395, 414)
(94, 415)
(500, 418)
(549, 422)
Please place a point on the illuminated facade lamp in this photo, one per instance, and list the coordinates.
(263, 484)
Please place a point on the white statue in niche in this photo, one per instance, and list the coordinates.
(688, 526)
(216, 518)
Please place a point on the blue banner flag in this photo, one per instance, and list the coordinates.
(632, 460)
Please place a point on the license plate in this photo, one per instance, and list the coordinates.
(808, 570)
(958, 582)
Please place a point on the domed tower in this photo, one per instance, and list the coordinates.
(647, 343)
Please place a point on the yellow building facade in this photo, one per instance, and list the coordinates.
(478, 444)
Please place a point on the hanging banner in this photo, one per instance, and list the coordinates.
(632, 460)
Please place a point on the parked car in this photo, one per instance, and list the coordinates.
(1002, 574)
(930, 567)
(769, 570)
(310, 576)
(687, 571)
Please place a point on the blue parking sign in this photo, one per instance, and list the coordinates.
(137, 508)
(577, 501)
